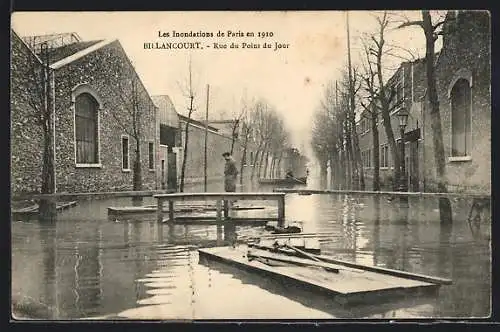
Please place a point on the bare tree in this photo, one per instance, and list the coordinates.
(235, 125)
(189, 93)
(40, 99)
(131, 117)
(432, 30)
(371, 112)
(384, 94)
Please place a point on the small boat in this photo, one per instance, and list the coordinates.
(285, 181)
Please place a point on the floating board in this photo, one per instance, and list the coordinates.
(287, 181)
(349, 286)
(122, 210)
(33, 210)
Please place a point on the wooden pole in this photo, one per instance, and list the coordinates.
(206, 138)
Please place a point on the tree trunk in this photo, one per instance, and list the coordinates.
(47, 208)
(254, 162)
(266, 164)
(437, 135)
(278, 175)
(349, 180)
(259, 171)
(183, 168)
(244, 159)
(137, 176)
(376, 154)
(137, 173)
(232, 144)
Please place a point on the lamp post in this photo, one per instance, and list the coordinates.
(403, 121)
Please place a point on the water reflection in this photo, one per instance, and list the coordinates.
(88, 270)
(86, 265)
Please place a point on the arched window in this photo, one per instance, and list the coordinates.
(461, 118)
(86, 129)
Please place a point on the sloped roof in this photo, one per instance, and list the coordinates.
(168, 114)
(59, 53)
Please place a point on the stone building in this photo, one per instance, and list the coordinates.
(92, 87)
(463, 83)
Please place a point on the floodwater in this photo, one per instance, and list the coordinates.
(88, 266)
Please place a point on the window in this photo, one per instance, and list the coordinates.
(151, 156)
(125, 155)
(461, 118)
(384, 156)
(86, 129)
(251, 158)
(366, 158)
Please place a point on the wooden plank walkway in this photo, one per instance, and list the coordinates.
(348, 286)
(222, 202)
(381, 193)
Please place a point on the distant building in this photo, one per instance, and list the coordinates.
(170, 145)
(409, 85)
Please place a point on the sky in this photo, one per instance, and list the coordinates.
(291, 79)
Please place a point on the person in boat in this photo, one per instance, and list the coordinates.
(230, 173)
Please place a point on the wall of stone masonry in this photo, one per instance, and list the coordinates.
(97, 72)
(25, 135)
(466, 49)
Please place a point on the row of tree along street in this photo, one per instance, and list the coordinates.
(364, 88)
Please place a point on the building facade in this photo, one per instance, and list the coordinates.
(463, 81)
(463, 74)
(92, 108)
(408, 86)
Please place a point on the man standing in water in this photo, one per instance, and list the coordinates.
(230, 173)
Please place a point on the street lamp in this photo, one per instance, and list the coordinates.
(403, 121)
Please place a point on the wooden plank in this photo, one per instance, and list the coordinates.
(346, 287)
(291, 260)
(219, 210)
(171, 211)
(200, 222)
(223, 195)
(381, 270)
(281, 212)
(122, 210)
(159, 210)
(381, 193)
(91, 195)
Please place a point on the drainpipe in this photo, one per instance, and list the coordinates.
(53, 80)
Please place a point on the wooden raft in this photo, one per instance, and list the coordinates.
(348, 286)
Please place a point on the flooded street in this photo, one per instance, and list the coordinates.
(87, 266)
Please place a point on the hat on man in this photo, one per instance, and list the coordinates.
(226, 154)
